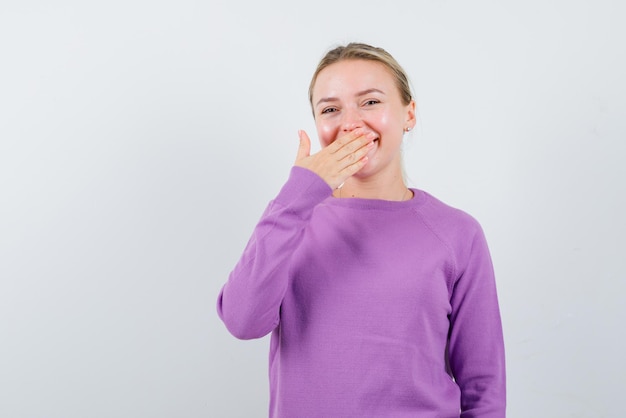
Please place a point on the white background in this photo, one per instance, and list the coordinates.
(140, 142)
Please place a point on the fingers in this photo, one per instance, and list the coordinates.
(352, 169)
(304, 149)
(348, 145)
(354, 161)
(339, 160)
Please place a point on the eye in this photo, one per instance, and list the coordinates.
(371, 102)
(329, 110)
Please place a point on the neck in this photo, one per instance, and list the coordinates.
(393, 189)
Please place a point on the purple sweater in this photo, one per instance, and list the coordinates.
(376, 308)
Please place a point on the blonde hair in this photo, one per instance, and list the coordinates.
(360, 51)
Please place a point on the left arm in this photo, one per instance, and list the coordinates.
(476, 346)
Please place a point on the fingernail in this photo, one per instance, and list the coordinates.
(371, 135)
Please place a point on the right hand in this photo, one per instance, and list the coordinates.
(339, 160)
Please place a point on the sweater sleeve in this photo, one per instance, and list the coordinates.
(249, 303)
(476, 347)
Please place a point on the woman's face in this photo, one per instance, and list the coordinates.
(363, 94)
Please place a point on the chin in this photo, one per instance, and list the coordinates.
(366, 172)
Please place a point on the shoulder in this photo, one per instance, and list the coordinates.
(449, 221)
(459, 231)
(455, 228)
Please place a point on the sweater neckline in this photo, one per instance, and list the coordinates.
(419, 197)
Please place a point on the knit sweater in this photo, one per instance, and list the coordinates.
(376, 308)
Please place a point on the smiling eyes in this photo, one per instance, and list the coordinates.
(333, 109)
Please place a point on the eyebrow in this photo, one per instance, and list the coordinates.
(359, 94)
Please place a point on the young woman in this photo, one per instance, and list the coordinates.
(381, 299)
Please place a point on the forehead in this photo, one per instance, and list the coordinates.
(348, 77)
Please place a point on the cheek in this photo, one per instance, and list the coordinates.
(384, 121)
(389, 124)
(326, 132)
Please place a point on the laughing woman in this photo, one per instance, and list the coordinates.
(381, 299)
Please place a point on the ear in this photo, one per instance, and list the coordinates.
(410, 116)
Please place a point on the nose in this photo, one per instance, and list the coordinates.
(351, 119)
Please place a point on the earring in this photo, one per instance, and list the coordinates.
(407, 129)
